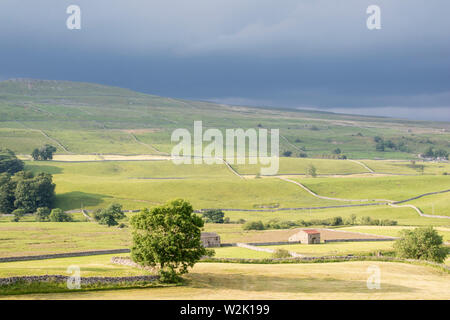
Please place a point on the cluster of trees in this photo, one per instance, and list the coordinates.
(311, 171)
(382, 145)
(301, 154)
(421, 244)
(277, 224)
(22, 189)
(215, 216)
(333, 221)
(44, 153)
(168, 238)
(56, 215)
(26, 191)
(109, 216)
(368, 221)
(434, 154)
(332, 156)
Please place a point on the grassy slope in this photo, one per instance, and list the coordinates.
(392, 188)
(89, 118)
(406, 167)
(299, 166)
(97, 184)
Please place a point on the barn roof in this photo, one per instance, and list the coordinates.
(208, 234)
(311, 231)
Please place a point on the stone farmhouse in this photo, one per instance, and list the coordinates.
(308, 236)
(210, 239)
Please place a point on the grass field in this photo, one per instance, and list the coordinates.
(89, 123)
(404, 216)
(344, 280)
(392, 188)
(241, 253)
(393, 231)
(299, 166)
(90, 266)
(406, 167)
(436, 204)
(337, 248)
(87, 118)
(34, 238)
(140, 184)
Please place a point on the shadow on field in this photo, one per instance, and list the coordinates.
(77, 199)
(261, 283)
(43, 168)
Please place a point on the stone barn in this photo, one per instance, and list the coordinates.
(210, 239)
(308, 236)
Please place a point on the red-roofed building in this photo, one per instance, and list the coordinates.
(306, 236)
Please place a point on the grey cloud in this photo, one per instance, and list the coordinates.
(282, 53)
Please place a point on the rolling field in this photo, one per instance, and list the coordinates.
(391, 188)
(343, 280)
(436, 204)
(112, 147)
(140, 184)
(393, 231)
(299, 166)
(91, 118)
(405, 167)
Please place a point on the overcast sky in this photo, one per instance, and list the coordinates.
(285, 53)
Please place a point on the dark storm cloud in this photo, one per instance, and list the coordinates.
(303, 53)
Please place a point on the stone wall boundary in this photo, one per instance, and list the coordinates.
(63, 255)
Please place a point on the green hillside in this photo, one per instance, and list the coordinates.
(91, 118)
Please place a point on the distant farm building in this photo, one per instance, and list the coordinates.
(210, 239)
(306, 237)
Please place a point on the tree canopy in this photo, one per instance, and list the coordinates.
(214, 216)
(168, 237)
(26, 191)
(43, 153)
(109, 215)
(57, 215)
(422, 244)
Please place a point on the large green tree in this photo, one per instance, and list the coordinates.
(34, 192)
(422, 244)
(44, 153)
(57, 215)
(109, 215)
(168, 237)
(214, 216)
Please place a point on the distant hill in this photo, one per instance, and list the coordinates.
(56, 88)
(92, 118)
